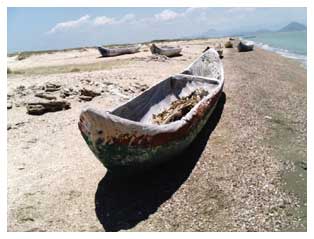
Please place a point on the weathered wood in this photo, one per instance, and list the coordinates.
(180, 107)
(242, 47)
(168, 51)
(109, 52)
(128, 139)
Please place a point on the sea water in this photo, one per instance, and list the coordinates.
(288, 44)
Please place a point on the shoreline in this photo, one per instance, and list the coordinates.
(281, 51)
(241, 174)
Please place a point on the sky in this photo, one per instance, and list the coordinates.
(59, 28)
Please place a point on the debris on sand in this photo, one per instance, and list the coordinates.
(9, 105)
(67, 92)
(9, 126)
(85, 97)
(88, 94)
(50, 87)
(39, 108)
(159, 58)
(180, 107)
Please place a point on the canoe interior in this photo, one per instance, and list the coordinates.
(159, 98)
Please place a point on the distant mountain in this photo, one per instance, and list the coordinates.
(293, 27)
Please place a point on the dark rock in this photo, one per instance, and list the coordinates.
(39, 108)
(66, 92)
(9, 105)
(45, 96)
(87, 92)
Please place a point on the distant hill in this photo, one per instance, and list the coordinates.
(293, 27)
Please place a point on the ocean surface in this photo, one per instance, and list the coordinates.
(287, 44)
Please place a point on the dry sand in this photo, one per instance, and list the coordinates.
(246, 171)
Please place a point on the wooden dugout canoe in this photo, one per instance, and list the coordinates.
(126, 139)
(109, 52)
(242, 47)
(168, 51)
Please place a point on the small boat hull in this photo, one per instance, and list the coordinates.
(125, 159)
(110, 52)
(126, 140)
(165, 50)
(245, 47)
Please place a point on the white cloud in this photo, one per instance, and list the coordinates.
(126, 18)
(167, 15)
(103, 20)
(97, 21)
(69, 24)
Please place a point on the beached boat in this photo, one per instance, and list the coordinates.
(153, 127)
(242, 47)
(169, 51)
(117, 51)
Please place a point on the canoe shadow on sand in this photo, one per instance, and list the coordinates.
(123, 203)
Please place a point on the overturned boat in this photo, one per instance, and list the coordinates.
(242, 47)
(158, 124)
(168, 51)
(117, 51)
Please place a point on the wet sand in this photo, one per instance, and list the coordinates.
(246, 171)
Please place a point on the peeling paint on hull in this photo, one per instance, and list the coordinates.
(121, 158)
(126, 139)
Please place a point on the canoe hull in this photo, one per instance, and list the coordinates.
(124, 159)
(126, 140)
(166, 51)
(244, 47)
(108, 52)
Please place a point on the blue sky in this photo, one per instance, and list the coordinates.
(59, 28)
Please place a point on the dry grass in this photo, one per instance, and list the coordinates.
(16, 72)
(26, 54)
(47, 70)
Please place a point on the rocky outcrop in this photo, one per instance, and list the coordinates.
(39, 108)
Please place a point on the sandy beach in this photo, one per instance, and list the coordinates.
(246, 170)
